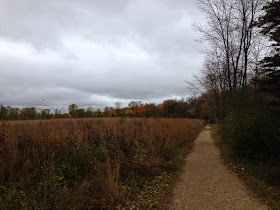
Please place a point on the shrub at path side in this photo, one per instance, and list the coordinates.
(250, 127)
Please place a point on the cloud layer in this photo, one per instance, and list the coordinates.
(94, 53)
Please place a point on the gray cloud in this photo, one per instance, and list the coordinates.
(94, 53)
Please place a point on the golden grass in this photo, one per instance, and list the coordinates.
(81, 162)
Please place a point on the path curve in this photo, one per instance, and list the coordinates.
(206, 183)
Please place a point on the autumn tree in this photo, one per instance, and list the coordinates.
(57, 114)
(106, 112)
(137, 110)
(73, 110)
(149, 110)
(98, 113)
(119, 112)
(169, 107)
(160, 112)
(112, 112)
(132, 104)
(3, 113)
(28, 113)
(128, 112)
(208, 106)
(194, 107)
(13, 113)
(45, 114)
(89, 112)
(80, 113)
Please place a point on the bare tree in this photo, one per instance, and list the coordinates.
(219, 29)
(118, 105)
(249, 12)
(231, 33)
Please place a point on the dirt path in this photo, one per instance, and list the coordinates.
(207, 184)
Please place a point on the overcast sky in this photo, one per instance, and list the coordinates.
(96, 52)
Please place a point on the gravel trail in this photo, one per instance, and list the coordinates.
(206, 183)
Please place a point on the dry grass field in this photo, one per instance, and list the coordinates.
(85, 163)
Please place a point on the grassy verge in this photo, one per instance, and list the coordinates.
(262, 178)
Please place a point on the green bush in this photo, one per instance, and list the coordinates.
(79, 160)
(250, 127)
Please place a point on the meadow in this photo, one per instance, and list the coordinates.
(96, 163)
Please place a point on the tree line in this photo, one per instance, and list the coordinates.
(172, 108)
(241, 73)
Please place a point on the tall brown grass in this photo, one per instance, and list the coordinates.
(81, 163)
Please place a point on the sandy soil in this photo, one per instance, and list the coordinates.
(206, 183)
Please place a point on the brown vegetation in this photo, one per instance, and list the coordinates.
(85, 163)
